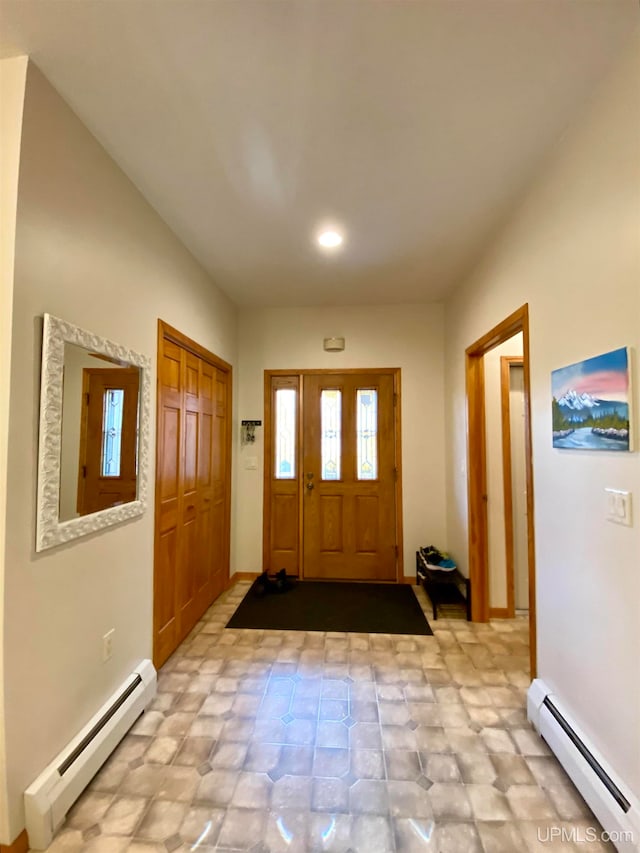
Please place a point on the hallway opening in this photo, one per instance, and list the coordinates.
(518, 322)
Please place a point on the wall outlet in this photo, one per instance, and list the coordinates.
(618, 506)
(107, 645)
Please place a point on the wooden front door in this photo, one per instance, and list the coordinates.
(331, 475)
(192, 488)
(349, 477)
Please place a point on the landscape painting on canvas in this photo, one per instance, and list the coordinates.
(591, 403)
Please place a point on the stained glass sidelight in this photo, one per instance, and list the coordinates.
(113, 406)
(367, 433)
(285, 434)
(331, 426)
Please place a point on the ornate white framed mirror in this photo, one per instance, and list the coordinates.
(94, 434)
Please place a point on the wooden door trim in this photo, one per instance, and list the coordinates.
(334, 371)
(227, 473)
(19, 845)
(169, 333)
(397, 420)
(267, 467)
(477, 489)
(506, 362)
(173, 335)
(395, 372)
(477, 477)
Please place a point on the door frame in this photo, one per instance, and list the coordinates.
(395, 372)
(506, 363)
(169, 333)
(477, 470)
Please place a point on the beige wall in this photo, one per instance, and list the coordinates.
(405, 336)
(12, 83)
(89, 249)
(495, 482)
(572, 251)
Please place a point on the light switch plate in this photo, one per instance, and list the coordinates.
(618, 506)
(251, 463)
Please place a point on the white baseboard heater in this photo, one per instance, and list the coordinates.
(49, 798)
(606, 795)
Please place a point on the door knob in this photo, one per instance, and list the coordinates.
(309, 485)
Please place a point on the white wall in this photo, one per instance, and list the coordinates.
(572, 251)
(405, 336)
(13, 73)
(495, 482)
(89, 249)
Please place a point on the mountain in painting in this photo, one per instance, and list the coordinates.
(577, 408)
(573, 400)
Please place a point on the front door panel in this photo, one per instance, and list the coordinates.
(348, 477)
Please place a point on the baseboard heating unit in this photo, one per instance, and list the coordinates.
(49, 798)
(606, 795)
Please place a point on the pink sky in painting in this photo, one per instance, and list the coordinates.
(604, 384)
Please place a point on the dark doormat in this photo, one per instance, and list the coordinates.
(363, 608)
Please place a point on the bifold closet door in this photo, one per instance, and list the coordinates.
(191, 558)
(213, 489)
(169, 472)
(220, 489)
(189, 564)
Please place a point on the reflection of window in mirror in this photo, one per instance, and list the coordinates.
(99, 433)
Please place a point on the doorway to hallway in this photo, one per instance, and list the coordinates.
(477, 466)
(332, 475)
(506, 480)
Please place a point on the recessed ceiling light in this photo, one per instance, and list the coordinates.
(329, 238)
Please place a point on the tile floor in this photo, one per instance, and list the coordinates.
(271, 741)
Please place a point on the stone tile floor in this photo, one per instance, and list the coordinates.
(274, 741)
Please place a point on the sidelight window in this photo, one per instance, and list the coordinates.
(112, 411)
(367, 433)
(331, 427)
(285, 434)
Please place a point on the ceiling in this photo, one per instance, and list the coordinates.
(245, 123)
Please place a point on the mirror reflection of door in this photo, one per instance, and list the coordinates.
(331, 512)
(108, 438)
